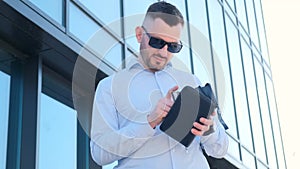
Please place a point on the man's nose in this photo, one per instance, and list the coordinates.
(164, 51)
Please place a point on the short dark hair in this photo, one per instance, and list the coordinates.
(165, 11)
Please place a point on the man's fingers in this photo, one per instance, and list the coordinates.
(169, 94)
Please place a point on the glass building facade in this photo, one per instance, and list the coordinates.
(43, 44)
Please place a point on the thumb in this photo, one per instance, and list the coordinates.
(169, 94)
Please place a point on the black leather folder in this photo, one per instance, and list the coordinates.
(190, 105)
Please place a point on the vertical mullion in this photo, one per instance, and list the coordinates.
(13, 157)
(32, 86)
(189, 36)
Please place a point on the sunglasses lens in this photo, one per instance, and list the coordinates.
(174, 47)
(159, 43)
(156, 43)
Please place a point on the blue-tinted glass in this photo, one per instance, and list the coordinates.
(114, 56)
(276, 126)
(238, 85)
(134, 15)
(248, 159)
(231, 3)
(81, 25)
(265, 115)
(261, 165)
(240, 7)
(108, 12)
(253, 102)
(4, 105)
(221, 65)
(233, 149)
(230, 11)
(261, 31)
(57, 130)
(53, 9)
(200, 41)
(198, 18)
(252, 22)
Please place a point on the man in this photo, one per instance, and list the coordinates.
(130, 105)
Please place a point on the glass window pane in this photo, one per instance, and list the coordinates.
(233, 149)
(261, 31)
(230, 11)
(223, 77)
(77, 20)
(253, 102)
(252, 22)
(198, 18)
(248, 159)
(56, 137)
(240, 7)
(231, 3)
(114, 56)
(239, 85)
(53, 9)
(4, 108)
(134, 17)
(261, 165)
(265, 115)
(109, 13)
(276, 126)
(200, 41)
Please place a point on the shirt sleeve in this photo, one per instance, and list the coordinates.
(216, 143)
(110, 142)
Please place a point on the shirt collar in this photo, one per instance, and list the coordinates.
(134, 63)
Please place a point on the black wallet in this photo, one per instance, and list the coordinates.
(190, 105)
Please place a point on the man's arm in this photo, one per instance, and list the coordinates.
(109, 142)
(216, 143)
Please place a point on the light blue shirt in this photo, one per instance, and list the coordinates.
(120, 130)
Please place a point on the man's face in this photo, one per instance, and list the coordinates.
(152, 58)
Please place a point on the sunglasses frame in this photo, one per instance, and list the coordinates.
(164, 43)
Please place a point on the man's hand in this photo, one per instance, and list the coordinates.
(204, 127)
(162, 108)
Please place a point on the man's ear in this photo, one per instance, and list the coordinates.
(138, 34)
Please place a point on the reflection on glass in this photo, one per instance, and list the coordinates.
(103, 10)
(253, 103)
(53, 9)
(265, 115)
(4, 106)
(276, 126)
(56, 135)
(239, 85)
(221, 65)
(81, 25)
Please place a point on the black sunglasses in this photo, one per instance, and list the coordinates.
(157, 43)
